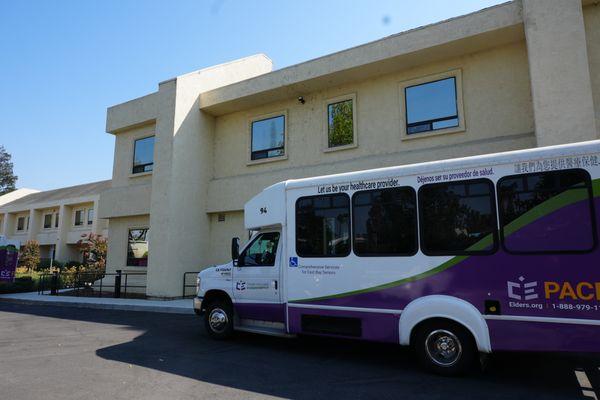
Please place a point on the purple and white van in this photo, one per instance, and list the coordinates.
(454, 257)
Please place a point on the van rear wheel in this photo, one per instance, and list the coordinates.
(445, 347)
(218, 319)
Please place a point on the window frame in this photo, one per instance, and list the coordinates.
(349, 225)
(263, 117)
(335, 100)
(277, 255)
(133, 166)
(51, 215)
(458, 83)
(24, 229)
(87, 214)
(416, 226)
(590, 191)
(494, 210)
(82, 210)
(147, 228)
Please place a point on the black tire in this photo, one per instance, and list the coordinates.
(444, 347)
(218, 319)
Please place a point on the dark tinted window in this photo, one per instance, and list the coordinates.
(457, 216)
(546, 212)
(323, 226)
(78, 217)
(385, 222)
(431, 106)
(47, 221)
(143, 155)
(268, 138)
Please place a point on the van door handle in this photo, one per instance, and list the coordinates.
(275, 284)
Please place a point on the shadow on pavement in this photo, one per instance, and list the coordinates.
(317, 367)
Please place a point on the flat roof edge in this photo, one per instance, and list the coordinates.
(451, 30)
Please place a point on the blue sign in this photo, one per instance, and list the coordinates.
(293, 261)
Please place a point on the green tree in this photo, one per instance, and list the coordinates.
(29, 256)
(341, 124)
(93, 249)
(7, 177)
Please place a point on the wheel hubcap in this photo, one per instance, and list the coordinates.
(218, 320)
(443, 347)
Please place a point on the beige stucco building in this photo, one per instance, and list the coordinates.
(56, 219)
(188, 156)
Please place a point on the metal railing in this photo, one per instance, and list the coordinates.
(92, 284)
(188, 283)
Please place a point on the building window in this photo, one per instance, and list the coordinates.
(431, 106)
(56, 220)
(90, 216)
(47, 221)
(143, 155)
(547, 212)
(268, 138)
(20, 224)
(78, 218)
(340, 123)
(384, 222)
(458, 218)
(261, 252)
(137, 247)
(323, 226)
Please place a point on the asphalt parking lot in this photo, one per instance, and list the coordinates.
(72, 353)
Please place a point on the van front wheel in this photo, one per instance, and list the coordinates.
(218, 320)
(445, 347)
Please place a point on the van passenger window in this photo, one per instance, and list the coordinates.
(547, 212)
(323, 226)
(384, 222)
(458, 218)
(261, 252)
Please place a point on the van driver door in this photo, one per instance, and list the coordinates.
(256, 278)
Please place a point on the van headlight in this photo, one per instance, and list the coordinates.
(197, 285)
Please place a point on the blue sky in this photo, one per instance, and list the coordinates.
(62, 63)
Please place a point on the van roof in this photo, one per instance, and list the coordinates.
(592, 146)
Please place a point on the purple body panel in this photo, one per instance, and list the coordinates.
(261, 311)
(543, 336)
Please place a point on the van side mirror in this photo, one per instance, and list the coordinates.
(235, 250)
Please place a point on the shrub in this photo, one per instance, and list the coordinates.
(21, 284)
(30, 255)
(45, 264)
(70, 264)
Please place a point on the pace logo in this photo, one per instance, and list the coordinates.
(293, 262)
(240, 285)
(522, 290)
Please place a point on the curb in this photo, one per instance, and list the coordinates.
(100, 306)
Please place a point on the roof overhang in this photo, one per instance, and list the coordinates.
(485, 29)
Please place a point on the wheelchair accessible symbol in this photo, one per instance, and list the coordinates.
(293, 261)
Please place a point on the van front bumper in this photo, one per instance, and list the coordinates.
(198, 305)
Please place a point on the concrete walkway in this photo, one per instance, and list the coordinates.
(180, 306)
